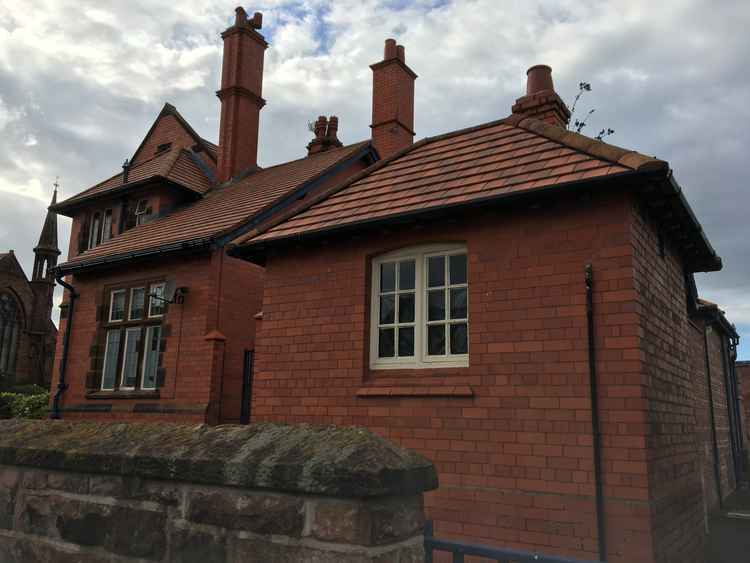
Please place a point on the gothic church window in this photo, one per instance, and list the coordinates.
(10, 321)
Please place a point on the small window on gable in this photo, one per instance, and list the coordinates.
(419, 308)
(163, 147)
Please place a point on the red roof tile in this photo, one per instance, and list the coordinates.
(499, 158)
(221, 209)
(177, 165)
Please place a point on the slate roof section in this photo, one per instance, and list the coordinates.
(179, 166)
(222, 209)
(499, 158)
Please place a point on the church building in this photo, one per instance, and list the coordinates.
(27, 333)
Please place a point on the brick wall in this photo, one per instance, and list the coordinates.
(168, 130)
(682, 472)
(206, 338)
(511, 434)
(673, 372)
(743, 380)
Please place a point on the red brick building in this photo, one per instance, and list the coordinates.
(27, 333)
(513, 300)
(516, 302)
(158, 321)
(743, 378)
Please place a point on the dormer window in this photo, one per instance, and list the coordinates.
(142, 212)
(100, 228)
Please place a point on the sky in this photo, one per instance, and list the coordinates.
(82, 81)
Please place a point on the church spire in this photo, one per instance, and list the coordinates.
(46, 250)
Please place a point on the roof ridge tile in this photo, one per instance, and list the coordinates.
(594, 147)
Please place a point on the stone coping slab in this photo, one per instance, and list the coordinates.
(321, 460)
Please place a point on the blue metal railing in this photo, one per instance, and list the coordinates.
(461, 550)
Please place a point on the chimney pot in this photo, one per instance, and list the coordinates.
(541, 101)
(391, 50)
(257, 21)
(539, 78)
(240, 16)
(320, 127)
(401, 53)
(325, 135)
(333, 127)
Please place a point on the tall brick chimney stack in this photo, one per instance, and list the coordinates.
(240, 95)
(541, 101)
(392, 101)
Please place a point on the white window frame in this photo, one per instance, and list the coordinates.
(130, 304)
(148, 334)
(112, 308)
(117, 357)
(141, 212)
(163, 304)
(106, 225)
(95, 228)
(420, 360)
(128, 331)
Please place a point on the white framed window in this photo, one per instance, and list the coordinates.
(151, 350)
(132, 338)
(132, 346)
(95, 233)
(142, 212)
(111, 353)
(156, 301)
(419, 308)
(117, 306)
(100, 228)
(137, 303)
(107, 226)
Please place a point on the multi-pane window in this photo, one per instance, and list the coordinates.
(420, 310)
(132, 341)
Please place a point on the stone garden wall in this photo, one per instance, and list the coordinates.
(82, 492)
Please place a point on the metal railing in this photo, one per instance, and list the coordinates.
(461, 550)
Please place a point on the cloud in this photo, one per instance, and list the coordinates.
(82, 81)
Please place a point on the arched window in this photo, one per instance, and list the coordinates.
(10, 325)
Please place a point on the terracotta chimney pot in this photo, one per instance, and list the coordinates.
(538, 78)
(541, 101)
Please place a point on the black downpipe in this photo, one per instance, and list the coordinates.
(61, 384)
(730, 383)
(712, 419)
(595, 425)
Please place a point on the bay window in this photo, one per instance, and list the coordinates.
(132, 337)
(419, 308)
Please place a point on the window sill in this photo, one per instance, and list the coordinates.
(416, 391)
(123, 394)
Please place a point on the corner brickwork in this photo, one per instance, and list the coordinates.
(83, 491)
